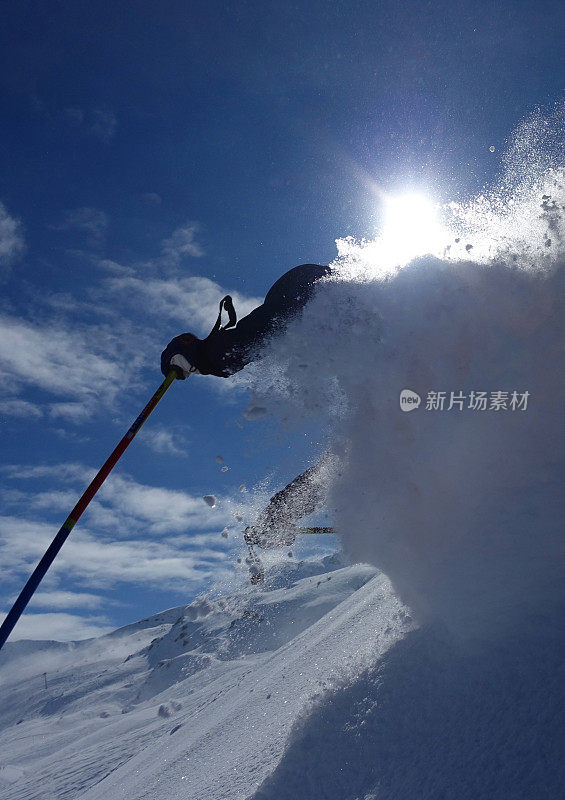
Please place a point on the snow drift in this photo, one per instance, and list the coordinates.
(462, 508)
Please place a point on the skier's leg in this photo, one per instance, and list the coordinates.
(276, 524)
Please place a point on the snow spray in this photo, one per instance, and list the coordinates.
(461, 501)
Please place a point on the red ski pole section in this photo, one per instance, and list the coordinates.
(119, 450)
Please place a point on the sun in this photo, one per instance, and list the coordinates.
(410, 228)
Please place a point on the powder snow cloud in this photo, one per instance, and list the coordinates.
(463, 510)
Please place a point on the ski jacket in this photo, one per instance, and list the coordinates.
(228, 350)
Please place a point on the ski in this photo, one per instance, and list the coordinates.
(312, 529)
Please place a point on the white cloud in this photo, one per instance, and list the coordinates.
(99, 121)
(103, 124)
(75, 412)
(65, 599)
(182, 243)
(75, 115)
(20, 408)
(131, 534)
(79, 363)
(162, 440)
(125, 508)
(152, 198)
(59, 627)
(194, 300)
(114, 267)
(22, 543)
(90, 351)
(11, 237)
(70, 472)
(56, 500)
(160, 510)
(91, 221)
(97, 561)
(116, 539)
(122, 507)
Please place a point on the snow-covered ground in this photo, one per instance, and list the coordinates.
(317, 685)
(197, 701)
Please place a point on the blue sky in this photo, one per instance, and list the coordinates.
(155, 157)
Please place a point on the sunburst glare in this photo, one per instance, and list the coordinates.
(411, 228)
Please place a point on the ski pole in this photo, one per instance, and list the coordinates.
(50, 554)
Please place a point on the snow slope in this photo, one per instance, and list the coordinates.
(195, 702)
(317, 685)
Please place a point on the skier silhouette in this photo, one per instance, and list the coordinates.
(226, 350)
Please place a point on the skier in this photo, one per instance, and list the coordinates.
(227, 349)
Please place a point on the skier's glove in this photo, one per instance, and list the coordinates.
(181, 354)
